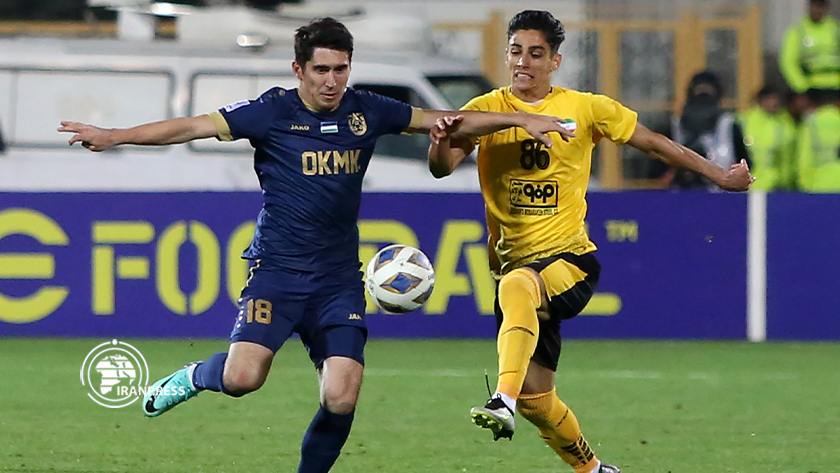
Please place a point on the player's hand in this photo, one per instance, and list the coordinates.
(539, 126)
(91, 137)
(737, 178)
(444, 127)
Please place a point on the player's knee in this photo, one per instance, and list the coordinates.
(518, 283)
(340, 396)
(340, 400)
(240, 381)
(340, 384)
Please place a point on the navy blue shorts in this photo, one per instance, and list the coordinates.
(329, 317)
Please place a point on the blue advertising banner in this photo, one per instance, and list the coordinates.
(676, 261)
(803, 266)
(168, 265)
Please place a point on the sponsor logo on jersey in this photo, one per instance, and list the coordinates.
(533, 197)
(235, 105)
(357, 123)
(300, 127)
(316, 163)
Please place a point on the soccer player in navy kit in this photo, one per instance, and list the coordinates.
(312, 148)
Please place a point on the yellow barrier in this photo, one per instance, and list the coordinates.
(73, 28)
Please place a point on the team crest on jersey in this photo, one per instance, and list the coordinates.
(357, 123)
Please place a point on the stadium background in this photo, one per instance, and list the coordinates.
(664, 253)
(666, 382)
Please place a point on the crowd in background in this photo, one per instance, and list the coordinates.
(790, 138)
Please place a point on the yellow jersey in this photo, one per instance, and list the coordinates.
(535, 197)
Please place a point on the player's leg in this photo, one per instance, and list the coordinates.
(241, 370)
(520, 299)
(538, 401)
(257, 334)
(340, 380)
(336, 343)
(556, 422)
(245, 369)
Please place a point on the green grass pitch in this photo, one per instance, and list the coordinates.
(652, 407)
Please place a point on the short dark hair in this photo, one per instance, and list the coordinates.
(542, 21)
(819, 2)
(705, 83)
(326, 33)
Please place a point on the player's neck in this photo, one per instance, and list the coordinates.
(310, 104)
(532, 95)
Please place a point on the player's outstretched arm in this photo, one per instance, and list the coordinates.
(165, 132)
(476, 123)
(737, 178)
(445, 151)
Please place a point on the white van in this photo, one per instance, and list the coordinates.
(118, 83)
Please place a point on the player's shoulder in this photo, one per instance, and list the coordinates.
(364, 96)
(369, 100)
(489, 101)
(361, 94)
(588, 100)
(277, 96)
(268, 103)
(564, 94)
(280, 101)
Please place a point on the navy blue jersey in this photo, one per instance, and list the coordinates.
(310, 167)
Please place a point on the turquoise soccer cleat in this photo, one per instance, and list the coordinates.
(170, 391)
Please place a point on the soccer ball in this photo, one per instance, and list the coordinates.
(400, 279)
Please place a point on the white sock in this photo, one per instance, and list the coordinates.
(190, 373)
(509, 401)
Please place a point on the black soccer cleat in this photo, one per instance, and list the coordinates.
(496, 416)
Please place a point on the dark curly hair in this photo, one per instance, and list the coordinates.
(326, 33)
(542, 21)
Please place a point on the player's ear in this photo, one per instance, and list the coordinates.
(557, 59)
(297, 70)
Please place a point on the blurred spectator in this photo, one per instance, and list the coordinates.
(796, 107)
(810, 55)
(769, 135)
(818, 148)
(2, 142)
(706, 128)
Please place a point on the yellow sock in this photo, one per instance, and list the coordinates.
(559, 428)
(519, 298)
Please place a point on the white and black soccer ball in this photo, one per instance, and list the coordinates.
(400, 279)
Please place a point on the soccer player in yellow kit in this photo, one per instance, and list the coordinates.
(535, 204)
